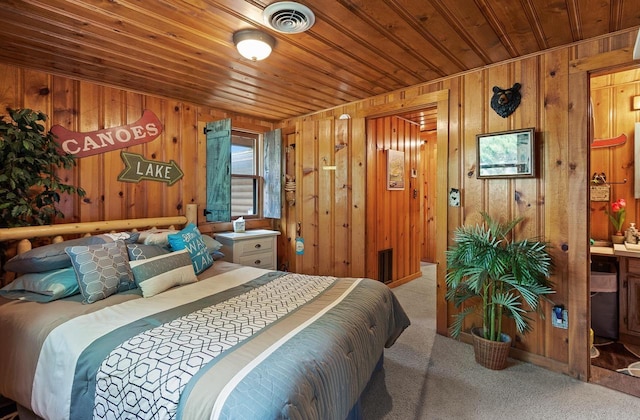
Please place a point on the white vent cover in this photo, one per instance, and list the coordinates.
(288, 17)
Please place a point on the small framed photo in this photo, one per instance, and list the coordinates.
(395, 170)
(506, 154)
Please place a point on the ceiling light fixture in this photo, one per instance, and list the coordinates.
(253, 44)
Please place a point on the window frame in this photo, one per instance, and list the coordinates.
(258, 170)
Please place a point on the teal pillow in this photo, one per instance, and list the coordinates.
(43, 287)
(101, 270)
(190, 239)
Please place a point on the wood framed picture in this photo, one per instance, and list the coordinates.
(395, 170)
(506, 154)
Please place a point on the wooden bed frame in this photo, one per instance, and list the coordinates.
(24, 236)
(21, 240)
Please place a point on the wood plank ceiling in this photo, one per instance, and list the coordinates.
(183, 49)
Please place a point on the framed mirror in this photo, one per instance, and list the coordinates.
(506, 154)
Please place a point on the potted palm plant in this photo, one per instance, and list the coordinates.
(488, 270)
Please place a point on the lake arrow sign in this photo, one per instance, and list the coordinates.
(138, 168)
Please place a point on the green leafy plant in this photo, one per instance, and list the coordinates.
(30, 188)
(488, 271)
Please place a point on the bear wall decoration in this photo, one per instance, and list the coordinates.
(505, 101)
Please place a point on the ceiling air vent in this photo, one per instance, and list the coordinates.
(288, 17)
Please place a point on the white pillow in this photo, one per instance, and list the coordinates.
(157, 274)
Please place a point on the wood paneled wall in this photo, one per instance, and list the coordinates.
(82, 106)
(394, 217)
(612, 95)
(335, 211)
(327, 159)
(555, 100)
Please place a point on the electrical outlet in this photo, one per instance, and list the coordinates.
(559, 317)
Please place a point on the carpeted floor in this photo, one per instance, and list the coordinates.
(428, 376)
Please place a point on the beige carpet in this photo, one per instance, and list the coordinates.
(427, 376)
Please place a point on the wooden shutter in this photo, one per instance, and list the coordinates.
(272, 196)
(218, 171)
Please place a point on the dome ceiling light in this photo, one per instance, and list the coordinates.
(253, 44)
(288, 17)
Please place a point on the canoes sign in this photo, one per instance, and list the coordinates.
(147, 128)
(138, 168)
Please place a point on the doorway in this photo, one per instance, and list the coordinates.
(427, 121)
(615, 353)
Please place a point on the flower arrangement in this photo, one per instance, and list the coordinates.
(617, 214)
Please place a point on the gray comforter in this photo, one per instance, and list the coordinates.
(240, 343)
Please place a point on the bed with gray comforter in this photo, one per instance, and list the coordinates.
(239, 343)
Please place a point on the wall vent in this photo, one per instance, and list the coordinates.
(288, 17)
(385, 265)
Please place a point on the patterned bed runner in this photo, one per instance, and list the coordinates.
(145, 375)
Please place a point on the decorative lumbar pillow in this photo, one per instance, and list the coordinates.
(101, 270)
(43, 287)
(157, 274)
(190, 239)
(53, 256)
(141, 251)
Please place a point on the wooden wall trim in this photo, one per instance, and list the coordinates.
(578, 254)
(579, 362)
(441, 211)
(602, 61)
(403, 105)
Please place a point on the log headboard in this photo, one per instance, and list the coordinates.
(24, 236)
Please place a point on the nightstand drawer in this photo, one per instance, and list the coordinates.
(262, 260)
(253, 246)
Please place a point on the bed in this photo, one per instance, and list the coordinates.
(181, 338)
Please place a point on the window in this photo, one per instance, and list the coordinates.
(245, 181)
(243, 173)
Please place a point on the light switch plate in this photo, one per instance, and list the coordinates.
(454, 197)
(559, 317)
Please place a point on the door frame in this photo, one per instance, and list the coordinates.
(439, 99)
(584, 69)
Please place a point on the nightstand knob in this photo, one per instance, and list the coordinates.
(258, 246)
(257, 262)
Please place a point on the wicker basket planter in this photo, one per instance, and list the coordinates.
(490, 354)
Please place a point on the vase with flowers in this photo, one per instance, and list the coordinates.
(617, 216)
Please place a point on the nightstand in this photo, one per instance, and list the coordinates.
(255, 248)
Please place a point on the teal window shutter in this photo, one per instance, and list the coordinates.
(218, 171)
(272, 174)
